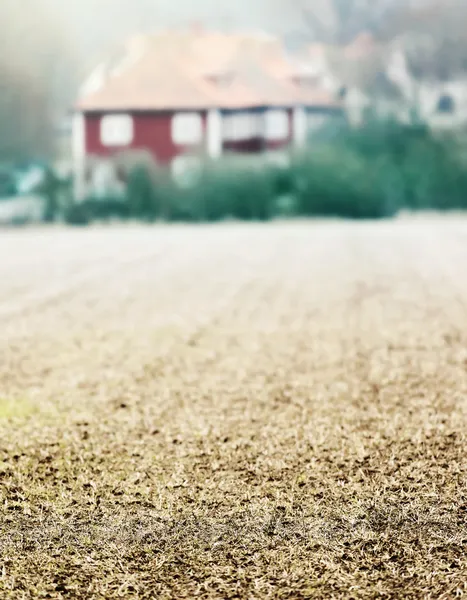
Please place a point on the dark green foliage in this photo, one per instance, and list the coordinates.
(107, 208)
(380, 169)
(96, 209)
(336, 183)
(7, 183)
(367, 173)
(242, 193)
(141, 195)
(50, 190)
(76, 214)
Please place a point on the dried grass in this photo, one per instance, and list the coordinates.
(235, 412)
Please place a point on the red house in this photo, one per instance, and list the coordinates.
(176, 93)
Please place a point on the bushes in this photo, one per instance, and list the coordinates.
(50, 190)
(411, 167)
(141, 197)
(380, 169)
(336, 183)
(367, 173)
(96, 209)
(228, 191)
(76, 214)
(7, 182)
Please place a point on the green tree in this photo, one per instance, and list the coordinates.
(141, 195)
(50, 189)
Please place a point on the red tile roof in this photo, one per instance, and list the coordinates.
(196, 70)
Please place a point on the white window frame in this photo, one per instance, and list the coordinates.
(277, 124)
(116, 130)
(187, 128)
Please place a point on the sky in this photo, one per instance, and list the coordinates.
(94, 24)
(81, 32)
(67, 38)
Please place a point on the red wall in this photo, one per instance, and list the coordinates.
(152, 132)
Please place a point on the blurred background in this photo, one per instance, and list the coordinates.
(371, 98)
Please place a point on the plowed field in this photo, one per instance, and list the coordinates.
(236, 411)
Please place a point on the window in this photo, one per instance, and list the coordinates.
(236, 127)
(277, 124)
(117, 130)
(446, 104)
(187, 129)
(256, 125)
(300, 125)
(241, 126)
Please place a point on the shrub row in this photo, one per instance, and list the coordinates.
(367, 173)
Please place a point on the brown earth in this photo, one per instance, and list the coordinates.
(234, 411)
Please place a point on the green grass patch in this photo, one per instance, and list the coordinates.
(16, 408)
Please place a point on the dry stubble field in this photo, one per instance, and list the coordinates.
(237, 411)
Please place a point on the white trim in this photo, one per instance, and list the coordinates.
(299, 126)
(214, 133)
(78, 141)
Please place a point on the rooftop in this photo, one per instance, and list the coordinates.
(198, 69)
